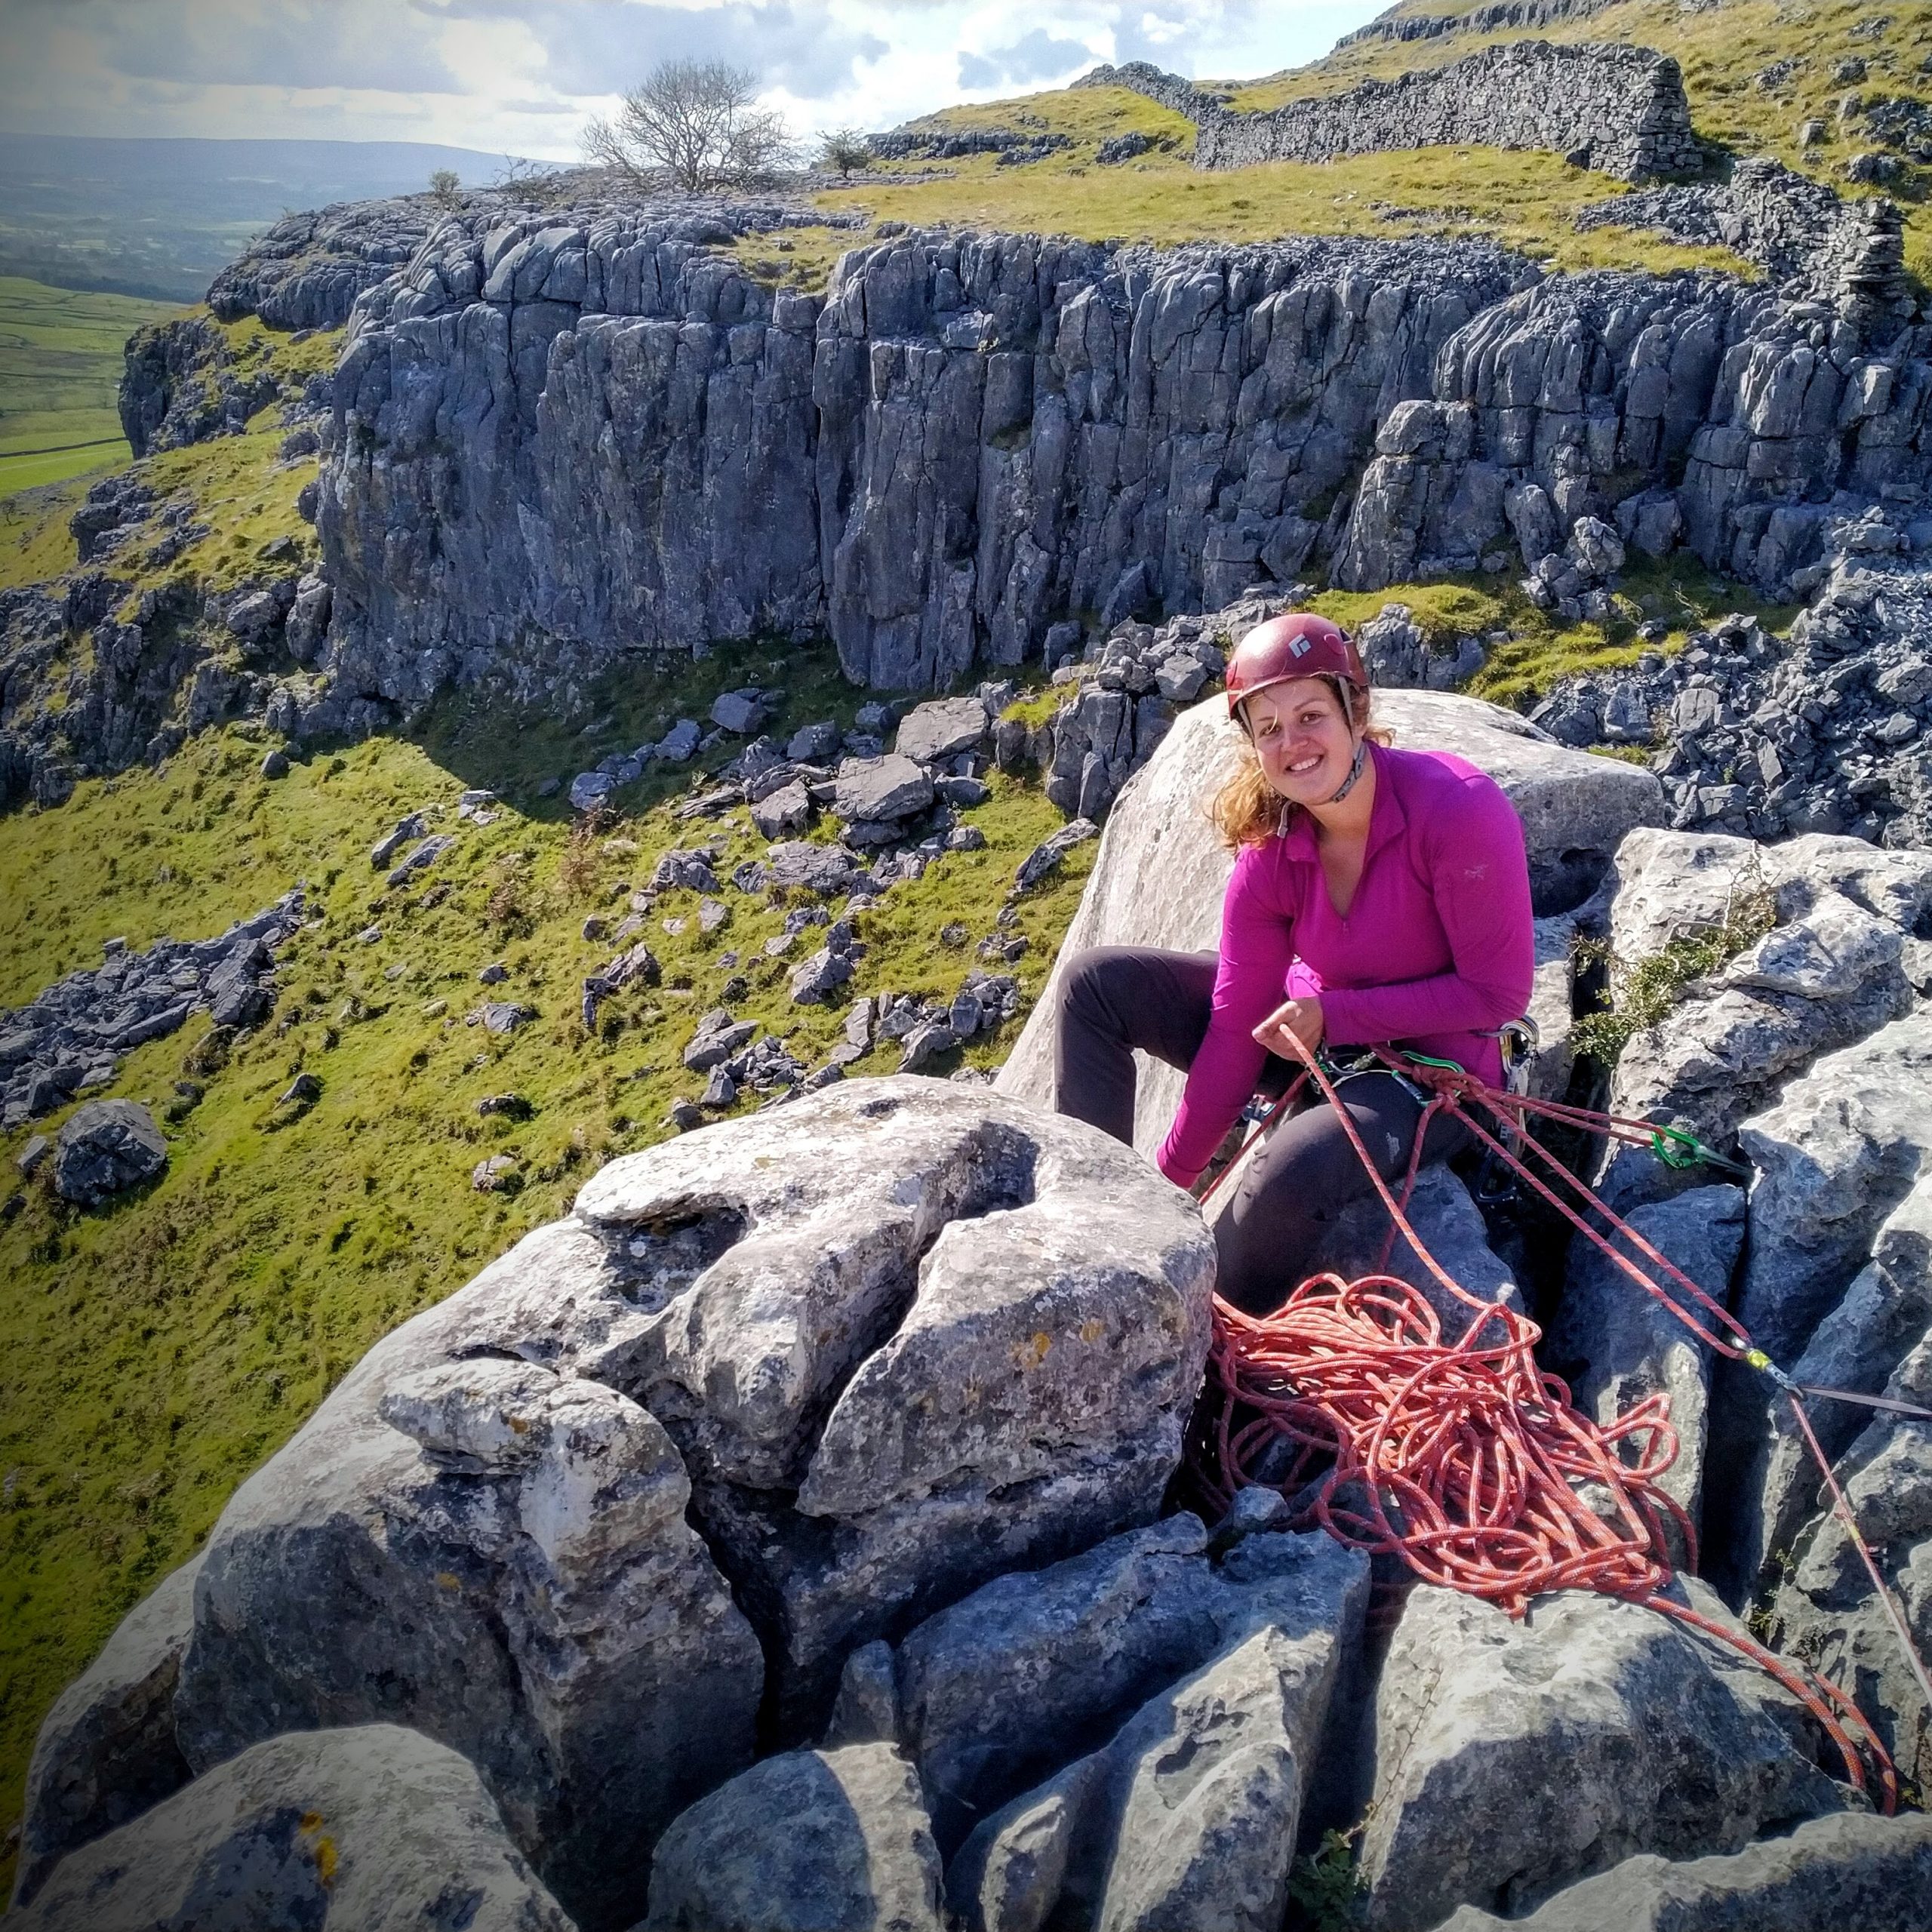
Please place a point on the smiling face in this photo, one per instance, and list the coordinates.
(1302, 738)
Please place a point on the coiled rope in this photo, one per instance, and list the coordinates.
(1466, 1459)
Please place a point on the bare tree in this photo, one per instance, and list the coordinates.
(696, 121)
(843, 149)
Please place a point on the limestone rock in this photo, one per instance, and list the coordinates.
(882, 789)
(807, 1841)
(106, 1750)
(995, 1690)
(1829, 973)
(1595, 1730)
(106, 1148)
(530, 1595)
(1849, 1870)
(1161, 872)
(1628, 1348)
(781, 813)
(1188, 1816)
(372, 1826)
(1841, 1149)
(934, 1336)
(1825, 1609)
(1857, 1347)
(942, 730)
(1451, 1227)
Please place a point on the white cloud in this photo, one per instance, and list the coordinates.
(522, 76)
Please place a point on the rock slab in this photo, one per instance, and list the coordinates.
(375, 1827)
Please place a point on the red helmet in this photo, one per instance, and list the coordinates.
(1299, 644)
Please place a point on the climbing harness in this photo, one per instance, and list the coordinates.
(1466, 1459)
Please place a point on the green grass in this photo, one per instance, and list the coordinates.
(1525, 201)
(152, 1354)
(1679, 593)
(1721, 50)
(60, 361)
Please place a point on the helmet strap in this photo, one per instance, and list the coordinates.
(1355, 770)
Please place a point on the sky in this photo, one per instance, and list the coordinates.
(523, 76)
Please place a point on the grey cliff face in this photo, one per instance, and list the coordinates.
(552, 444)
(558, 440)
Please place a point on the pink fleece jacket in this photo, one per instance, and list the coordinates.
(1437, 951)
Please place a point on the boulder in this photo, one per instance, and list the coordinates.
(413, 825)
(106, 1750)
(1161, 872)
(1000, 1689)
(1840, 1151)
(1616, 1346)
(801, 1843)
(1593, 1730)
(590, 790)
(779, 813)
(375, 1827)
(1857, 1347)
(1189, 1815)
(1048, 856)
(921, 1336)
(812, 744)
(476, 1536)
(743, 713)
(1450, 1225)
(106, 1148)
(800, 865)
(943, 729)
(875, 790)
(1826, 1610)
(1845, 1871)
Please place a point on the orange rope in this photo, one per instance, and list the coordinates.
(1466, 1459)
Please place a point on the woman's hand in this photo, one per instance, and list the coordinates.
(1299, 1020)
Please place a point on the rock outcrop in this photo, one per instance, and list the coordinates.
(1846, 1870)
(1593, 1730)
(375, 1827)
(965, 438)
(71, 1038)
(106, 1751)
(969, 438)
(801, 1842)
(858, 1356)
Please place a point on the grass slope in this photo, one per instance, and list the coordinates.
(1525, 202)
(152, 1354)
(59, 366)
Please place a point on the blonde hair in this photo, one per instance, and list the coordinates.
(1247, 810)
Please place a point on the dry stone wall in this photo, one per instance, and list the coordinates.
(1620, 109)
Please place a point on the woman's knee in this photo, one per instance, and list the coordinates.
(1096, 978)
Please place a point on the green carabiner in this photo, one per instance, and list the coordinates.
(1689, 1151)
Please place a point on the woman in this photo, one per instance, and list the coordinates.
(1386, 892)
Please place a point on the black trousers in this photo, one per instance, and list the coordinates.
(1114, 998)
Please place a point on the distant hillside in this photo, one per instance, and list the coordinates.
(60, 364)
(157, 218)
